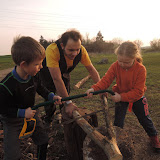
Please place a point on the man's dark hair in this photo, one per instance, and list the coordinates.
(71, 34)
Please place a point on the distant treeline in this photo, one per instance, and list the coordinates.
(98, 45)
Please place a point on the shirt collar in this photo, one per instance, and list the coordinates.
(15, 74)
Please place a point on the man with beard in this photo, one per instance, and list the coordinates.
(61, 58)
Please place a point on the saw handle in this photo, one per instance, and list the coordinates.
(71, 97)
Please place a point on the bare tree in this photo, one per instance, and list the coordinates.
(117, 41)
(139, 43)
(155, 44)
(99, 37)
(86, 40)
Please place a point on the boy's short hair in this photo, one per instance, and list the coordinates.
(26, 49)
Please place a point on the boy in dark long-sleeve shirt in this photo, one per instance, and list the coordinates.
(17, 96)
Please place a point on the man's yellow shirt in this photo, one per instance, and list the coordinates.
(53, 57)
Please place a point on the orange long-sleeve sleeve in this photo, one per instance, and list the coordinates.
(130, 83)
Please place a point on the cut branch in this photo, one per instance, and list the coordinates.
(81, 82)
(109, 126)
(108, 145)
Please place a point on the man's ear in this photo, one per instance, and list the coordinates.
(62, 46)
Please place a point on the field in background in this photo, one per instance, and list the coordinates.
(132, 126)
(6, 62)
(152, 63)
(150, 60)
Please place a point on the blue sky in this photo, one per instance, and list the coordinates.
(124, 19)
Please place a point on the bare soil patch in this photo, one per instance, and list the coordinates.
(4, 72)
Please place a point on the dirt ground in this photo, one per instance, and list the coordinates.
(132, 141)
(4, 72)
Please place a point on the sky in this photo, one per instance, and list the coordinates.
(122, 19)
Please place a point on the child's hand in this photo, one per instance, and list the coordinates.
(89, 94)
(58, 100)
(29, 113)
(116, 97)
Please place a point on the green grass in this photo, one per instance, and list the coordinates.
(6, 62)
(152, 63)
(150, 60)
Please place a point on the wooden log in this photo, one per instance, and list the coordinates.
(81, 82)
(109, 127)
(108, 145)
(74, 135)
(1, 134)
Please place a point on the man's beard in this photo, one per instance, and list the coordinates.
(69, 56)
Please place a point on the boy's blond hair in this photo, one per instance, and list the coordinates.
(129, 49)
(26, 49)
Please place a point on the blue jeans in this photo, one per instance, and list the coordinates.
(140, 109)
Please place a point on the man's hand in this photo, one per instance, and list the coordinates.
(58, 100)
(89, 94)
(29, 113)
(116, 97)
(69, 108)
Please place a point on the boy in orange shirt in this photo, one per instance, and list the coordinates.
(129, 89)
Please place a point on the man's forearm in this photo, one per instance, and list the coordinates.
(58, 82)
(61, 89)
(93, 72)
(95, 76)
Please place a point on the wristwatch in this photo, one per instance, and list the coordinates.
(68, 102)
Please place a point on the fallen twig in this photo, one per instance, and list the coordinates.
(81, 82)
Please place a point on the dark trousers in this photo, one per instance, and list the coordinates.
(140, 109)
(12, 128)
(48, 83)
